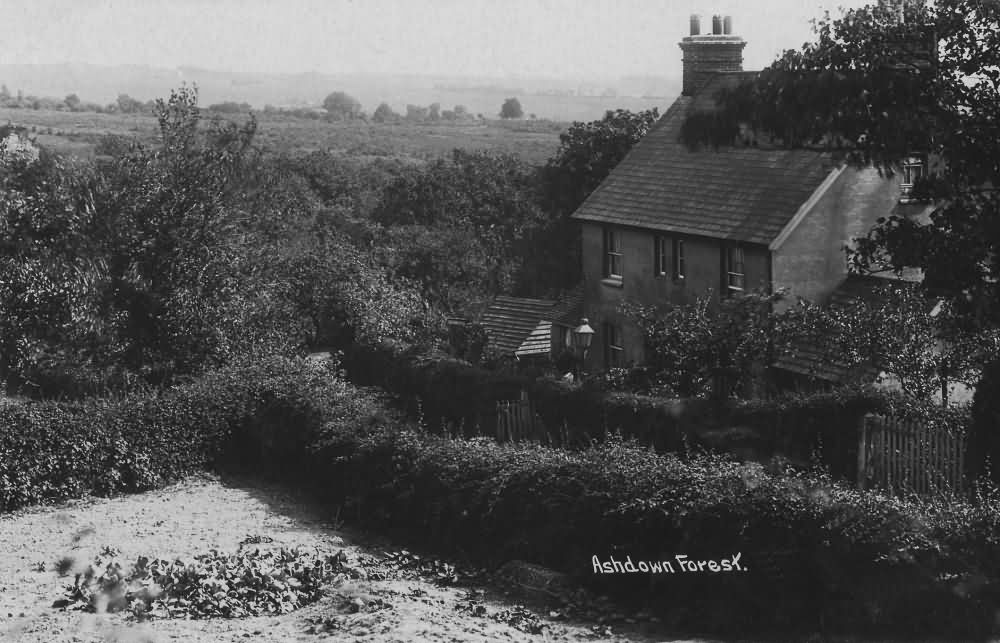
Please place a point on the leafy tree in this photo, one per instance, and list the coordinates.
(587, 153)
(73, 102)
(128, 105)
(384, 113)
(416, 113)
(878, 85)
(341, 106)
(434, 111)
(511, 108)
(483, 203)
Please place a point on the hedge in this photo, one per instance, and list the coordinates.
(52, 451)
(445, 392)
(820, 556)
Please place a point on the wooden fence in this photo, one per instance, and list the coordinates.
(910, 457)
(517, 421)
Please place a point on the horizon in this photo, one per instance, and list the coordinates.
(528, 39)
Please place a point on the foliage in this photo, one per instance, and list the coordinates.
(480, 202)
(341, 106)
(824, 553)
(895, 329)
(687, 345)
(820, 552)
(54, 451)
(213, 585)
(511, 108)
(384, 113)
(587, 153)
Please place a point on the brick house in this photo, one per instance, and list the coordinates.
(670, 224)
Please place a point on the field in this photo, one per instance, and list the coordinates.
(77, 133)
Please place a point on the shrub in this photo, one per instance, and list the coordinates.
(819, 555)
(52, 451)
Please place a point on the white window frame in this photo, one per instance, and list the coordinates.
(914, 169)
(613, 256)
(678, 259)
(660, 255)
(736, 275)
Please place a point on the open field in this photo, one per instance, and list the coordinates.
(77, 133)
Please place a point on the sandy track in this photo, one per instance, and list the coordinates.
(207, 512)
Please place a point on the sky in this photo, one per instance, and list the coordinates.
(489, 38)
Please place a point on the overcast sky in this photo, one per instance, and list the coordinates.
(561, 38)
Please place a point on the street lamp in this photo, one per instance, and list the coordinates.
(583, 335)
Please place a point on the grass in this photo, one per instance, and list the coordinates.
(77, 133)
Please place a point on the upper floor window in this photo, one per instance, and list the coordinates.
(735, 271)
(914, 169)
(612, 254)
(678, 263)
(668, 257)
(660, 256)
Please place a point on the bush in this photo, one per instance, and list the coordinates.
(53, 451)
(819, 555)
(444, 391)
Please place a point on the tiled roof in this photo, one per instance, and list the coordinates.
(746, 193)
(509, 320)
(538, 342)
(819, 358)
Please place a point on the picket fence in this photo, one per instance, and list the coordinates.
(895, 455)
(906, 456)
(516, 420)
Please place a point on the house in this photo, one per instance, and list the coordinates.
(670, 224)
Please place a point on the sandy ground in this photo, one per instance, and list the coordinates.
(207, 512)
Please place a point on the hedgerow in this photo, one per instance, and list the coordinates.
(820, 555)
(51, 451)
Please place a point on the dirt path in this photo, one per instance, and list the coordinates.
(202, 513)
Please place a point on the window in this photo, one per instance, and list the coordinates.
(614, 350)
(678, 259)
(913, 171)
(668, 257)
(659, 256)
(735, 275)
(612, 254)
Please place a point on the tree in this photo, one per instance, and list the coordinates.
(416, 113)
(128, 105)
(434, 111)
(511, 108)
(881, 84)
(587, 153)
(73, 102)
(481, 202)
(384, 113)
(341, 106)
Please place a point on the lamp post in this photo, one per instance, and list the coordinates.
(583, 335)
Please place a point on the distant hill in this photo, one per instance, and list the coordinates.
(557, 99)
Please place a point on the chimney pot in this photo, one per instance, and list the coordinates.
(727, 25)
(695, 24)
(717, 25)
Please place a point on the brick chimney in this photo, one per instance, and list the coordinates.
(704, 54)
